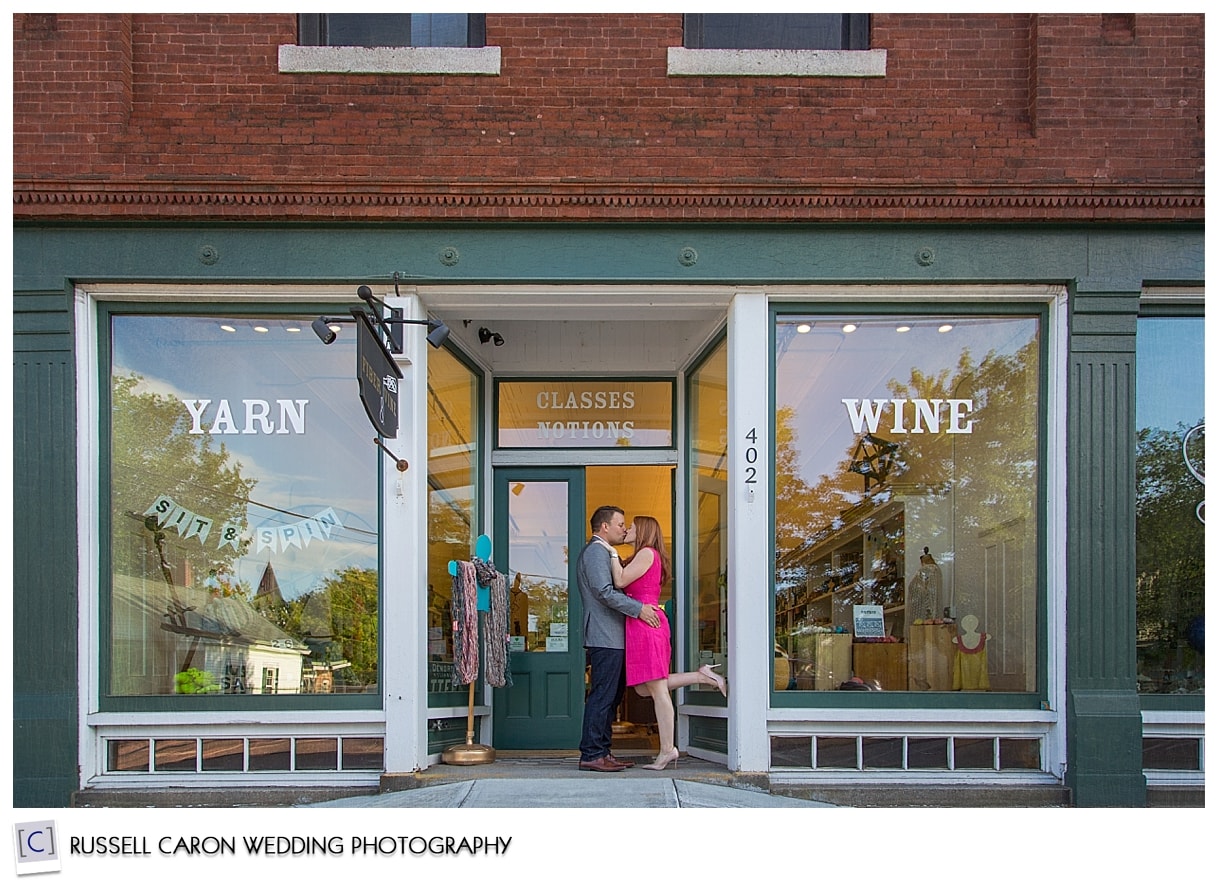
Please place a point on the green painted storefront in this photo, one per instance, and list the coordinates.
(1105, 269)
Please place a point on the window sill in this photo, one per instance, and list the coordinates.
(776, 62)
(478, 61)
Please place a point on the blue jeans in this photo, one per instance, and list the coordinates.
(607, 685)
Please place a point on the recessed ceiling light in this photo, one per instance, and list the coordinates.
(292, 329)
(261, 329)
(943, 329)
(804, 328)
(228, 328)
(849, 328)
(901, 329)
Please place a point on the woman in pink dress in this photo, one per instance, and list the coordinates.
(648, 649)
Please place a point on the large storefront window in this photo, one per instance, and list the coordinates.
(452, 482)
(707, 410)
(1171, 507)
(243, 522)
(907, 487)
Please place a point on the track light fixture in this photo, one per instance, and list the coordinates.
(321, 327)
(486, 335)
(388, 320)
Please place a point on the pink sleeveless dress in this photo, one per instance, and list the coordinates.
(648, 649)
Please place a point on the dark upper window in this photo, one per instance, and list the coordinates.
(777, 31)
(391, 29)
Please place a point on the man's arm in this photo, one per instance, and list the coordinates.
(599, 576)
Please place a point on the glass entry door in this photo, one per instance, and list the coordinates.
(539, 531)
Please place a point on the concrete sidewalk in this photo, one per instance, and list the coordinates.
(590, 791)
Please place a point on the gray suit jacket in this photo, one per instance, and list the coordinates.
(605, 607)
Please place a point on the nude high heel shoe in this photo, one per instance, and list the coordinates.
(708, 671)
(664, 760)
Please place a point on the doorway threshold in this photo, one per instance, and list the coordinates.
(558, 764)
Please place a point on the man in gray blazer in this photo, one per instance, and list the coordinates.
(605, 611)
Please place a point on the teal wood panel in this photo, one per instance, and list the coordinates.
(1104, 725)
(45, 256)
(44, 579)
(48, 259)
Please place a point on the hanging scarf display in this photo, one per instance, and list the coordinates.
(468, 576)
(465, 623)
(498, 671)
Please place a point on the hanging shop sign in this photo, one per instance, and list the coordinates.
(378, 376)
(585, 413)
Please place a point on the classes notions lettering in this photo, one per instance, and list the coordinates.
(586, 400)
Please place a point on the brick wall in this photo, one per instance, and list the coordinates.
(1000, 116)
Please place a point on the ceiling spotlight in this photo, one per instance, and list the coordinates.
(486, 335)
(803, 328)
(901, 329)
(261, 329)
(849, 328)
(943, 329)
(229, 328)
(324, 332)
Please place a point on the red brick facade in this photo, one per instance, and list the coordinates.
(1002, 117)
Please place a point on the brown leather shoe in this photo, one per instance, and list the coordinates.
(604, 763)
(629, 764)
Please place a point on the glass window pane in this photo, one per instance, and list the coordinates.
(1170, 506)
(270, 754)
(438, 29)
(927, 753)
(223, 755)
(175, 754)
(708, 500)
(243, 510)
(396, 29)
(363, 753)
(1179, 754)
(974, 753)
(123, 755)
(906, 499)
(837, 753)
(452, 481)
(770, 31)
(882, 753)
(316, 754)
(537, 566)
(1019, 753)
(585, 413)
(367, 29)
(786, 752)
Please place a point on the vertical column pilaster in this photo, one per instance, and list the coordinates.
(1104, 723)
(749, 526)
(404, 564)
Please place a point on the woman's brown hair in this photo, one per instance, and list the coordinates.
(647, 534)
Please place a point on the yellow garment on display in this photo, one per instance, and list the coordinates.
(971, 668)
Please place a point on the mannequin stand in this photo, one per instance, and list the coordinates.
(468, 754)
